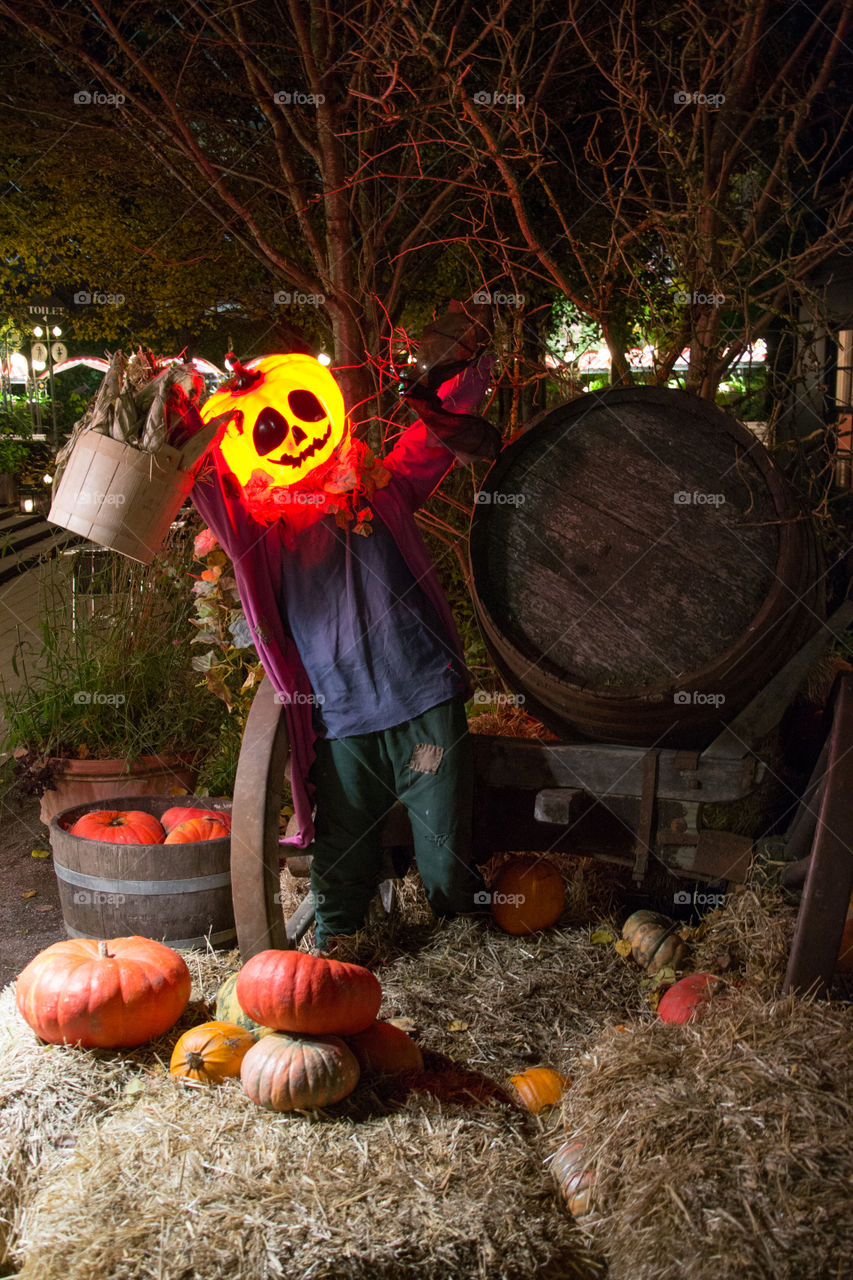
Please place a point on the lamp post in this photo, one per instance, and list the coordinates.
(52, 351)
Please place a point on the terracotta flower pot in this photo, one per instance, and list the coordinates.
(81, 781)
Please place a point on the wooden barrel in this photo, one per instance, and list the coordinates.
(640, 569)
(175, 893)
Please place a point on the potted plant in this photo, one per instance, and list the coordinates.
(106, 702)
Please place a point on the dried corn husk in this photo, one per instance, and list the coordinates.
(140, 403)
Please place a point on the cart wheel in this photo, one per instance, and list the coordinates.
(255, 850)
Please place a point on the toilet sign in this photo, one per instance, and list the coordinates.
(59, 351)
(38, 353)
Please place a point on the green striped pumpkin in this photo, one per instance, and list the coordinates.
(229, 1009)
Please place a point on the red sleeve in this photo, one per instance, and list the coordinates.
(417, 464)
(418, 461)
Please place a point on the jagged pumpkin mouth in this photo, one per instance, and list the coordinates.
(296, 459)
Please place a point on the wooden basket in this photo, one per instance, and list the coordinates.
(119, 496)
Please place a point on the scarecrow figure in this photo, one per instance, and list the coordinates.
(347, 614)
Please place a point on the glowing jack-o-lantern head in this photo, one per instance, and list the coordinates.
(287, 417)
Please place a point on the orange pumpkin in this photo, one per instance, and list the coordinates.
(192, 829)
(211, 1053)
(119, 826)
(172, 817)
(297, 1073)
(103, 995)
(539, 1087)
(527, 895)
(292, 991)
(385, 1050)
(288, 417)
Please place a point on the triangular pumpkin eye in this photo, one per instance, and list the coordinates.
(270, 431)
(305, 405)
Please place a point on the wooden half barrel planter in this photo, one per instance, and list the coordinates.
(639, 568)
(179, 894)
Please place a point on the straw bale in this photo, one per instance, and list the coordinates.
(722, 1148)
(434, 1175)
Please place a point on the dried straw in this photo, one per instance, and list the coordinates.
(718, 1149)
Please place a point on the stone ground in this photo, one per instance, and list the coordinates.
(30, 915)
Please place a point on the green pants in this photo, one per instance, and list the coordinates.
(427, 763)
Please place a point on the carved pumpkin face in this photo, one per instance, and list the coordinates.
(288, 418)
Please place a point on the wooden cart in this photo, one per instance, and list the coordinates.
(620, 803)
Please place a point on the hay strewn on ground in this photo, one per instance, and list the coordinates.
(723, 1149)
(720, 1149)
(122, 1173)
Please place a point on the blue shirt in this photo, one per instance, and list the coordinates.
(369, 638)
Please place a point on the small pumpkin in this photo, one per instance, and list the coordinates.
(655, 941)
(192, 829)
(574, 1177)
(173, 816)
(686, 998)
(385, 1050)
(292, 991)
(527, 895)
(297, 1073)
(211, 1053)
(119, 826)
(103, 995)
(229, 1009)
(539, 1087)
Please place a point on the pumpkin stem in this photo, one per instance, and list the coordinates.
(194, 1059)
(102, 951)
(243, 378)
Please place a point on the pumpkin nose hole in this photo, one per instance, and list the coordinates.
(299, 436)
(270, 431)
(305, 405)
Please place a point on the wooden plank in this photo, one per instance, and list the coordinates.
(645, 818)
(607, 770)
(255, 870)
(829, 880)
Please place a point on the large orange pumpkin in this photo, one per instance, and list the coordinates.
(296, 1073)
(119, 826)
(172, 817)
(386, 1050)
(527, 895)
(192, 829)
(539, 1087)
(211, 1053)
(104, 995)
(292, 991)
(288, 417)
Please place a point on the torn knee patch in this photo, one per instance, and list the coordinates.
(426, 757)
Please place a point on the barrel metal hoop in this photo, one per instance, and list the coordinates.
(142, 887)
(188, 944)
